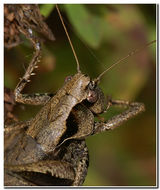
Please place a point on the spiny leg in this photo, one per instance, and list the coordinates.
(23, 81)
(11, 179)
(33, 64)
(16, 126)
(134, 108)
(48, 168)
(81, 168)
(33, 99)
(36, 99)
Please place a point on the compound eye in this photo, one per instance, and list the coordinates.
(91, 85)
(92, 96)
(68, 78)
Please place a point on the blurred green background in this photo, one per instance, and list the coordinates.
(101, 35)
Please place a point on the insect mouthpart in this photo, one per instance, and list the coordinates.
(92, 95)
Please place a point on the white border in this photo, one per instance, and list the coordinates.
(2, 61)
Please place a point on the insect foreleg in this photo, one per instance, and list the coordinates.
(16, 126)
(134, 108)
(33, 64)
(36, 99)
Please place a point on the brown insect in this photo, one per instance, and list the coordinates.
(50, 149)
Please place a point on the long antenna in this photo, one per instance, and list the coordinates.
(124, 58)
(78, 67)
